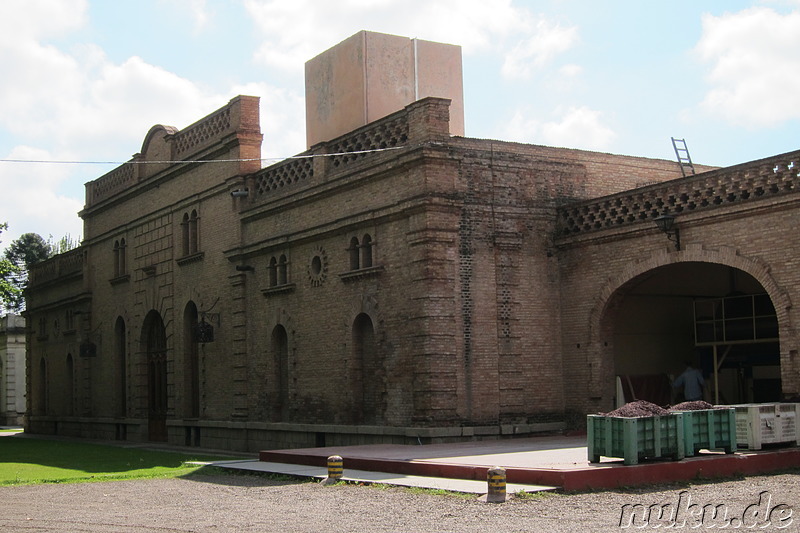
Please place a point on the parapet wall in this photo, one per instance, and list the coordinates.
(62, 265)
(424, 121)
(164, 146)
(765, 178)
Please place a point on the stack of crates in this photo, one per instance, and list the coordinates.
(635, 439)
(767, 423)
(709, 429)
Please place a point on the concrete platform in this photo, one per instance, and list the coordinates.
(363, 476)
(554, 461)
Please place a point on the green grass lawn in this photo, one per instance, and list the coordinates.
(25, 461)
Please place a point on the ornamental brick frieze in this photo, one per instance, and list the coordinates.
(766, 178)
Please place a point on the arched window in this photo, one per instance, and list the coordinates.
(280, 388)
(194, 237)
(273, 272)
(282, 279)
(116, 258)
(122, 262)
(353, 251)
(185, 234)
(190, 236)
(366, 251)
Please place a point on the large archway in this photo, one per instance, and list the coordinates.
(716, 316)
(154, 343)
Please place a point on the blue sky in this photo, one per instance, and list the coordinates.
(84, 80)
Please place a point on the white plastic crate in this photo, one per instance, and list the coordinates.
(766, 423)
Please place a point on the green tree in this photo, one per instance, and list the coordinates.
(64, 244)
(23, 253)
(28, 250)
(9, 291)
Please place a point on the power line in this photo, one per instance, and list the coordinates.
(189, 161)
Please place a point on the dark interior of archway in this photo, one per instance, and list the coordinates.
(654, 335)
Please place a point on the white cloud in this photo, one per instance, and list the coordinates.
(77, 99)
(129, 98)
(197, 10)
(294, 32)
(754, 75)
(23, 21)
(77, 104)
(575, 127)
(532, 53)
(30, 203)
(282, 119)
(572, 70)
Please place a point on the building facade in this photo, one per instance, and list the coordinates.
(398, 283)
(12, 370)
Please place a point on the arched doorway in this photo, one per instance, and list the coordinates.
(368, 375)
(154, 342)
(280, 374)
(120, 368)
(715, 316)
(69, 386)
(41, 394)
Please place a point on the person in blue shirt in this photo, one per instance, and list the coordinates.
(692, 383)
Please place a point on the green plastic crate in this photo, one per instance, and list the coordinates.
(635, 439)
(709, 429)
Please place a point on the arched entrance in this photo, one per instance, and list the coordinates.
(69, 386)
(280, 374)
(368, 374)
(42, 392)
(120, 369)
(716, 316)
(154, 342)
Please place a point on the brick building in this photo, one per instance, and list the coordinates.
(398, 283)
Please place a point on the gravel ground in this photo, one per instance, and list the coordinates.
(246, 503)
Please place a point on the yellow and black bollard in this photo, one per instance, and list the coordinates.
(335, 470)
(496, 480)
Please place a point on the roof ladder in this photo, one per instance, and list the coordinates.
(684, 160)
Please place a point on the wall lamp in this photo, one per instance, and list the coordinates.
(240, 193)
(666, 223)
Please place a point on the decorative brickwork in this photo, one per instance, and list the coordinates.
(64, 265)
(200, 134)
(283, 174)
(761, 179)
(385, 134)
(115, 181)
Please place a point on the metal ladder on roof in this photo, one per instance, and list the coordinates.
(684, 160)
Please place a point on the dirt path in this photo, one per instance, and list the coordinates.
(247, 503)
